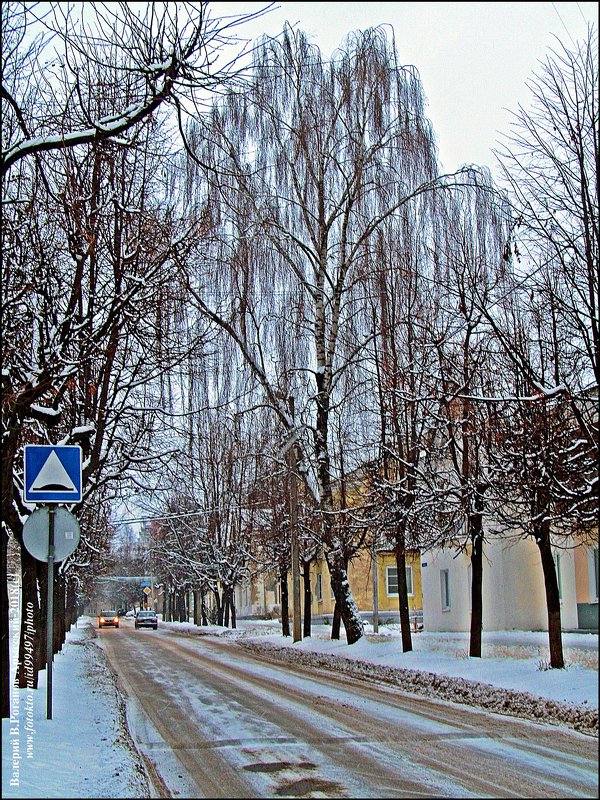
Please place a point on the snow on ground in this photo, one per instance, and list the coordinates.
(85, 750)
(512, 677)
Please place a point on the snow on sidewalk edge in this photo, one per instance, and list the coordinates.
(457, 690)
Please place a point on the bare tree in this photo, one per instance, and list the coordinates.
(319, 155)
(82, 87)
(84, 336)
(545, 313)
(532, 462)
(56, 56)
(205, 538)
(476, 231)
(550, 165)
(402, 292)
(271, 545)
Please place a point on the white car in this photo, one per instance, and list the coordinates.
(108, 618)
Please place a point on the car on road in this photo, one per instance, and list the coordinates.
(146, 619)
(106, 618)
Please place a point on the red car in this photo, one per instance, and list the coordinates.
(146, 619)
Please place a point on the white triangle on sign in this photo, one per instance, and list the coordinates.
(53, 477)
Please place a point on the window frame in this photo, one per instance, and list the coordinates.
(319, 587)
(445, 595)
(409, 580)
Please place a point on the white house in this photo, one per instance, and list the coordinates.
(514, 597)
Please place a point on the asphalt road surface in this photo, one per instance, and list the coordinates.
(212, 720)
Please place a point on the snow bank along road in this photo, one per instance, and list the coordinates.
(212, 719)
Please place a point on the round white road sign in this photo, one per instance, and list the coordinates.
(36, 533)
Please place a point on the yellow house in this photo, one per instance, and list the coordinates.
(360, 577)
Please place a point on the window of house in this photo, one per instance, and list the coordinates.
(319, 587)
(409, 580)
(445, 588)
(392, 581)
(391, 576)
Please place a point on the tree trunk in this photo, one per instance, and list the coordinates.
(475, 521)
(59, 611)
(334, 555)
(285, 606)
(552, 597)
(203, 611)
(219, 605)
(226, 606)
(344, 598)
(197, 610)
(181, 606)
(71, 605)
(29, 603)
(476, 588)
(335, 624)
(307, 599)
(400, 552)
(232, 603)
(169, 604)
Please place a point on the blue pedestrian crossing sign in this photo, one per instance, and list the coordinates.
(52, 474)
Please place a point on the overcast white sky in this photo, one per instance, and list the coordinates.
(473, 58)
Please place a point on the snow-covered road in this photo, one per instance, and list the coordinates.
(215, 720)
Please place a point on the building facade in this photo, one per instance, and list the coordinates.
(513, 590)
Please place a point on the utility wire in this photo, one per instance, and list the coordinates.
(563, 23)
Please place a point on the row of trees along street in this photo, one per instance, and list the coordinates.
(274, 285)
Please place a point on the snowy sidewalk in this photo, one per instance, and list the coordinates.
(84, 750)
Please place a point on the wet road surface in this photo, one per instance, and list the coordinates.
(212, 720)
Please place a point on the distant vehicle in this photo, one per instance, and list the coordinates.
(108, 618)
(121, 611)
(146, 619)
(130, 614)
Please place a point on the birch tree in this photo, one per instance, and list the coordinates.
(477, 226)
(316, 156)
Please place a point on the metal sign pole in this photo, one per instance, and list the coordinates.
(51, 474)
(50, 613)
